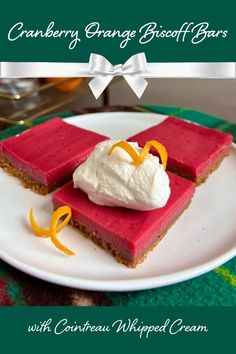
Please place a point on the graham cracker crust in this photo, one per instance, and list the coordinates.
(131, 263)
(27, 181)
(202, 178)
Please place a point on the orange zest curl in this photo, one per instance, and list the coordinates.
(159, 148)
(59, 213)
(38, 231)
(55, 227)
(139, 158)
(129, 149)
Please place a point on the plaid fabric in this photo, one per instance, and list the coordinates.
(216, 288)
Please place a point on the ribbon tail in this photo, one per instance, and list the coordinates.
(99, 83)
(137, 83)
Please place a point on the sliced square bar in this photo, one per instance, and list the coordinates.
(45, 156)
(194, 151)
(127, 234)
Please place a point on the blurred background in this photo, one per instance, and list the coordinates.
(216, 97)
(27, 99)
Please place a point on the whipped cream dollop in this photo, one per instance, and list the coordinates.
(113, 180)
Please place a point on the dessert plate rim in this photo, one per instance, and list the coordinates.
(119, 285)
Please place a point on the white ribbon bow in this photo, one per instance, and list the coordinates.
(104, 72)
(134, 70)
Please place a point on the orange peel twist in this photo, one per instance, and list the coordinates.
(139, 158)
(55, 227)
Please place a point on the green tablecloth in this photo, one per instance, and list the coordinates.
(216, 288)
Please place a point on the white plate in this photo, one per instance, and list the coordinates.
(203, 237)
